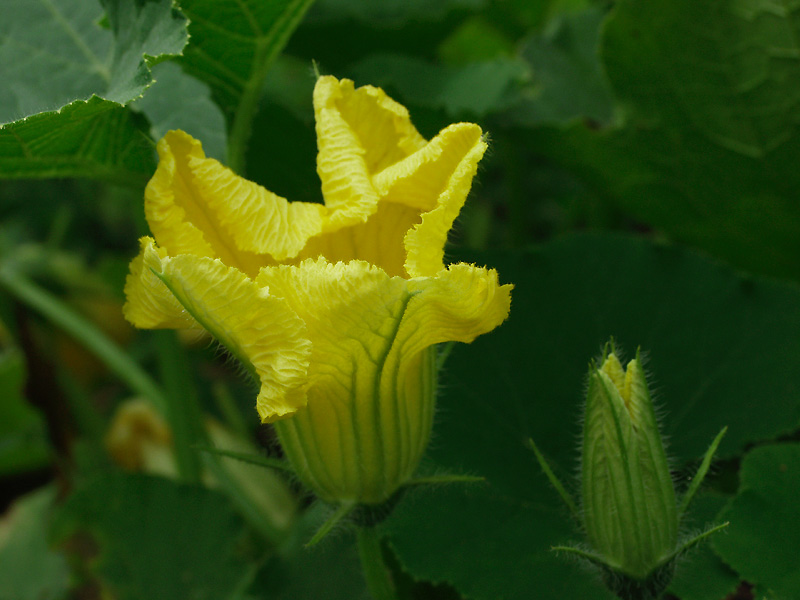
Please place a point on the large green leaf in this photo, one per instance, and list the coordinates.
(29, 568)
(708, 143)
(722, 349)
(66, 79)
(233, 45)
(329, 570)
(763, 540)
(568, 80)
(93, 138)
(179, 101)
(158, 538)
(390, 13)
(286, 113)
(475, 89)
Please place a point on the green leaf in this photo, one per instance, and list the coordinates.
(290, 85)
(29, 568)
(233, 45)
(475, 89)
(94, 138)
(526, 380)
(707, 147)
(329, 570)
(145, 32)
(66, 80)
(763, 540)
(475, 39)
(157, 538)
(391, 13)
(475, 538)
(568, 79)
(23, 437)
(179, 101)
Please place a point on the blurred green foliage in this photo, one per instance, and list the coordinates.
(640, 183)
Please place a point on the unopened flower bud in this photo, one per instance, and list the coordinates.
(630, 512)
(629, 506)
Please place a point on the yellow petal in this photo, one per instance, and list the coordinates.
(258, 329)
(378, 241)
(359, 133)
(382, 127)
(175, 218)
(194, 205)
(349, 309)
(459, 304)
(149, 304)
(421, 178)
(424, 243)
(433, 177)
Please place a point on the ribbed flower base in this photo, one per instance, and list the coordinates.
(361, 448)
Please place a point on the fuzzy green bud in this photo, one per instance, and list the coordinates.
(629, 510)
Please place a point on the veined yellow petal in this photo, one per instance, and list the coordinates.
(459, 304)
(424, 243)
(257, 220)
(418, 183)
(420, 178)
(359, 133)
(149, 304)
(378, 241)
(381, 126)
(349, 309)
(195, 205)
(258, 329)
(169, 204)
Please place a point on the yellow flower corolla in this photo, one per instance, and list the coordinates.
(335, 308)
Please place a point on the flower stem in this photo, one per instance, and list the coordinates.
(376, 573)
(86, 333)
(183, 407)
(268, 46)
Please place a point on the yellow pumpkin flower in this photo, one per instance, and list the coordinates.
(335, 308)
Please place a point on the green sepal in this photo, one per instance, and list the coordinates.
(688, 545)
(253, 459)
(591, 557)
(702, 470)
(369, 515)
(554, 481)
(340, 513)
(444, 352)
(623, 585)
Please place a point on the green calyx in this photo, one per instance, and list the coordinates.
(629, 509)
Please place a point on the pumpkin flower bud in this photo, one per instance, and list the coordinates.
(629, 509)
(335, 309)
